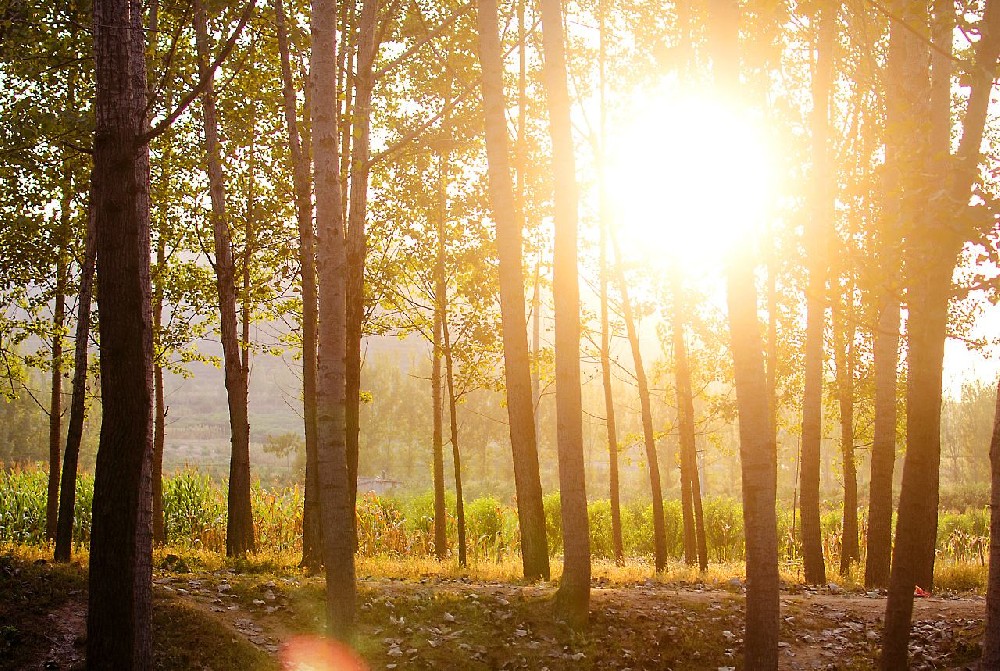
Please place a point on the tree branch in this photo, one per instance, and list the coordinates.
(157, 130)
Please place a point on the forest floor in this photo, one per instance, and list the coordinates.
(225, 619)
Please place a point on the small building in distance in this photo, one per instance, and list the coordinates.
(378, 485)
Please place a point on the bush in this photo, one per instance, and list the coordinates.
(194, 511)
(489, 529)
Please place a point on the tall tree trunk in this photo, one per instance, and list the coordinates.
(816, 240)
(906, 91)
(337, 513)
(239, 524)
(521, 207)
(991, 637)
(78, 402)
(456, 453)
(55, 398)
(356, 240)
(609, 402)
(758, 450)
(646, 413)
(883, 459)
(517, 367)
(844, 344)
(930, 258)
(695, 543)
(605, 350)
(159, 404)
(437, 437)
(119, 622)
(573, 597)
(758, 460)
(312, 532)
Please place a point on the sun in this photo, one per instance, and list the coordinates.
(690, 179)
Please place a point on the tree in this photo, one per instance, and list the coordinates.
(573, 597)
(336, 511)
(239, 526)
(758, 457)
(695, 542)
(845, 357)
(817, 234)
(74, 432)
(646, 413)
(120, 585)
(991, 637)
(530, 515)
(299, 163)
(930, 256)
(364, 84)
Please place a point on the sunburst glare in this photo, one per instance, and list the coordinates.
(690, 178)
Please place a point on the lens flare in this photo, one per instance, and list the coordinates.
(314, 653)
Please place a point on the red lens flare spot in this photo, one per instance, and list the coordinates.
(313, 653)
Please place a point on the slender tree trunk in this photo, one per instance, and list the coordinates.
(605, 223)
(645, 407)
(239, 526)
(55, 398)
(312, 532)
(885, 355)
(517, 368)
(844, 342)
(931, 255)
(609, 402)
(356, 240)
(456, 453)
(573, 597)
(817, 237)
(78, 402)
(991, 637)
(159, 404)
(695, 545)
(521, 207)
(905, 89)
(337, 513)
(437, 439)
(119, 623)
(159, 426)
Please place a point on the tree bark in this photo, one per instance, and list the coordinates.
(816, 240)
(758, 449)
(312, 532)
(437, 434)
(883, 459)
(456, 453)
(758, 459)
(337, 513)
(159, 405)
(991, 637)
(364, 82)
(573, 596)
(609, 401)
(930, 257)
(239, 525)
(844, 342)
(905, 93)
(119, 608)
(646, 413)
(55, 397)
(695, 542)
(78, 407)
(520, 412)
